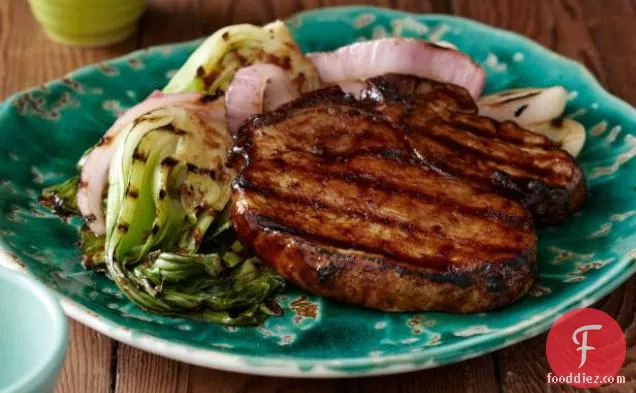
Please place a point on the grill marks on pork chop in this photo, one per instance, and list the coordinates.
(373, 171)
(445, 132)
(326, 175)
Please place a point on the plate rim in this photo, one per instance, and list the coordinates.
(320, 368)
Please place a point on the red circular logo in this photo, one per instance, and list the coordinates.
(585, 348)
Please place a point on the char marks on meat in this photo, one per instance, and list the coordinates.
(445, 132)
(333, 197)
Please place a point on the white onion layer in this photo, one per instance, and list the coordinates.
(255, 89)
(525, 106)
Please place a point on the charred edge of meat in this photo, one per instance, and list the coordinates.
(500, 283)
(548, 204)
(329, 270)
(353, 277)
(405, 89)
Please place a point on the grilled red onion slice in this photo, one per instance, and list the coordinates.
(255, 89)
(407, 56)
(95, 165)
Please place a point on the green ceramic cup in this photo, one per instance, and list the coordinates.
(33, 335)
(88, 22)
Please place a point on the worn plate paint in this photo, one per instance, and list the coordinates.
(44, 130)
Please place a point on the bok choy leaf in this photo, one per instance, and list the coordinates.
(212, 66)
(167, 185)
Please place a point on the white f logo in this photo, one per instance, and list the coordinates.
(584, 347)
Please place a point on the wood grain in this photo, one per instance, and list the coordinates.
(472, 376)
(139, 371)
(580, 29)
(169, 21)
(612, 28)
(557, 24)
(88, 362)
(29, 58)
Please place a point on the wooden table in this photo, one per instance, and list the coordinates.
(598, 33)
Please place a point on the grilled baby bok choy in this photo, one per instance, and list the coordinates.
(161, 169)
(213, 65)
(167, 184)
(220, 285)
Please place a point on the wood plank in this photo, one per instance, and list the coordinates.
(180, 20)
(167, 21)
(204, 380)
(557, 24)
(475, 375)
(88, 362)
(472, 376)
(580, 30)
(29, 58)
(612, 29)
(139, 371)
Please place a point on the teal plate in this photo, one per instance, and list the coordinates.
(43, 131)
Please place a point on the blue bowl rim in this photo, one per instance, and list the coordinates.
(51, 360)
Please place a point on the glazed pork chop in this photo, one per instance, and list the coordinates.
(443, 129)
(333, 196)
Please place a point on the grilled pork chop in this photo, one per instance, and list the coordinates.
(445, 132)
(332, 195)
